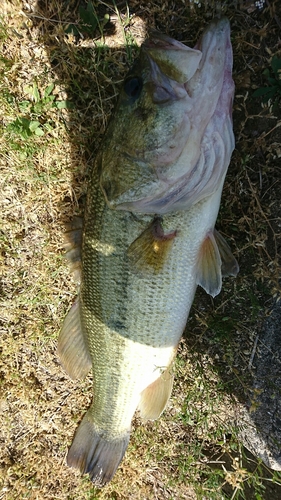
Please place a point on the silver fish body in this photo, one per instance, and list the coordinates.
(140, 265)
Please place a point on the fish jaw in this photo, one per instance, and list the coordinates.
(194, 152)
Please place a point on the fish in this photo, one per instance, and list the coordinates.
(148, 238)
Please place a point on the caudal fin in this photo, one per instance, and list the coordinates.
(93, 454)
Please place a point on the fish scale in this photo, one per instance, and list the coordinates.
(155, 305)
(140, 268)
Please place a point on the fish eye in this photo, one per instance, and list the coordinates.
(133, 86)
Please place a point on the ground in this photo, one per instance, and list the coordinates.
(61, 64)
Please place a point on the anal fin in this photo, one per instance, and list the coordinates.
(72, 345)
(155, 397)
(95, 454)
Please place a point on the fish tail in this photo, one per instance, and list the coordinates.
(94, 454)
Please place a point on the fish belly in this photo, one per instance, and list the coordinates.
(134, 317)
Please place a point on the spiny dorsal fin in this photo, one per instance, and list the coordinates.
(155, 397)
(94, 454)
(72, 346)
(151, 249)
(73, 246)
(209, 274)
(229, 266)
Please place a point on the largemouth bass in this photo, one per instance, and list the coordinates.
(149, 237)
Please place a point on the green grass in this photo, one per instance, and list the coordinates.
(58, 88)
(272, 92)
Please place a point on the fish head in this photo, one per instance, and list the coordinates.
(150, 124)
(154, 140)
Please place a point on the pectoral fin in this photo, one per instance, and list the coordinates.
(151, 249)
(209, 266)
(215, 260)
(229, 266)
(72, 345)
(155, 397)
(73, 245)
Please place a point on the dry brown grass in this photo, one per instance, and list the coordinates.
(43, 186)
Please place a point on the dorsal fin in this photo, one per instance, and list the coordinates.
(73, 246)
(72, 345)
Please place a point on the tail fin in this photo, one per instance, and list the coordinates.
(93, 454)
